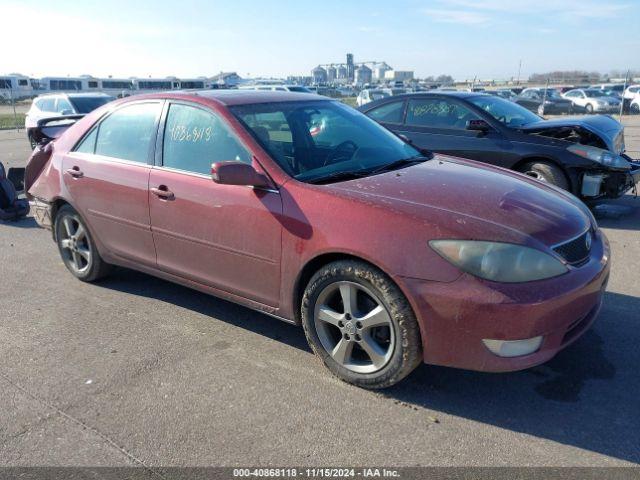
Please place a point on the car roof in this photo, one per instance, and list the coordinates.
(239, 97)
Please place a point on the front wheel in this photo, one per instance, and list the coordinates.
(361, 326)
(77, 248)
(635, 109)
(589, 109)
(32, 142)
(546, 172)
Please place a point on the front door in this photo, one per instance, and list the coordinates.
(439, 125)
(224, 236)
(107, 176)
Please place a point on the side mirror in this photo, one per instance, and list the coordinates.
(478, 126)
(238, 173)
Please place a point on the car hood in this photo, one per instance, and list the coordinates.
(473, 200)
(608, 129)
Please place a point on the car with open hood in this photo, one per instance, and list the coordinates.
(304, 209)
(584, 155)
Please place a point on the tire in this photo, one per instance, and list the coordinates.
(32, 142)
(375, 356)
(589, 109)
(635, 109)
(546, 172)
(77, 248)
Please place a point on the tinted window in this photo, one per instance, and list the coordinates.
(390, 112)
(127, 133)
(88, 104)
(438, 113)
(509, 113)
(22, 83)
(194, 139)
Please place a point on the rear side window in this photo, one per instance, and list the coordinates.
(438, 113)
(47, 104)
(127, 133)
(390, 112)
(88, 144)
(195, 138)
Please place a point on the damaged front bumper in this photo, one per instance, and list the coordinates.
(611, 183)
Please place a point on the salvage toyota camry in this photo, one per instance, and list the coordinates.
(305, 209)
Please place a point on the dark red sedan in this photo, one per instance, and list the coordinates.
(304, 209)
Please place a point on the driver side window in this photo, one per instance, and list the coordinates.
(438, 113)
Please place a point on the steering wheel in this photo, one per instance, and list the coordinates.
(348, 147)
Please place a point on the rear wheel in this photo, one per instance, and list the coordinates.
(360, 325)
(635, 108)
(589, 108)
(545, 172)
(77, 248)
(32, 142)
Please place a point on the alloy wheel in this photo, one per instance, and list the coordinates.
(354, 327)
(74, 244)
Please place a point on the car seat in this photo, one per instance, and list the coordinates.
(11, 207)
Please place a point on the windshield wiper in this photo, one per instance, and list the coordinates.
(351, 174)
(337, 176)
(403, 162)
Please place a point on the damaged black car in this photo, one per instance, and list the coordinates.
(585, 156)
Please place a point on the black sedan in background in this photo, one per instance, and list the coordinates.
(582, 155)
(546, 102)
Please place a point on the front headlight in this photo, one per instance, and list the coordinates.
(499, 262)
(604, 157)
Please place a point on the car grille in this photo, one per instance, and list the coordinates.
(576, 251)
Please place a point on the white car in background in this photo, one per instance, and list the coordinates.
(59, 105)
(631, 92)
(593, 100)
(370, 94)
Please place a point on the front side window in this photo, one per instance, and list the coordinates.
(194, 139)
(312, 140)
(389, 112)
(508, 113)
(128, 132)
(438, 113)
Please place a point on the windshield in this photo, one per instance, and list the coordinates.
(88, 104)
(311, 140)
(509, 113)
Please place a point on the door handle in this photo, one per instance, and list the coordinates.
(163, 192)
(75, 172)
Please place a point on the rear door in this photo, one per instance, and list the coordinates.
(224, 236)
(107, 176)
(439, 125)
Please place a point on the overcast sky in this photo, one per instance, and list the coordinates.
(187, 38)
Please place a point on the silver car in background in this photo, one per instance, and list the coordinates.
(593, 100)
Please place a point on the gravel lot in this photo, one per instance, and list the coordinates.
(134, 370)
